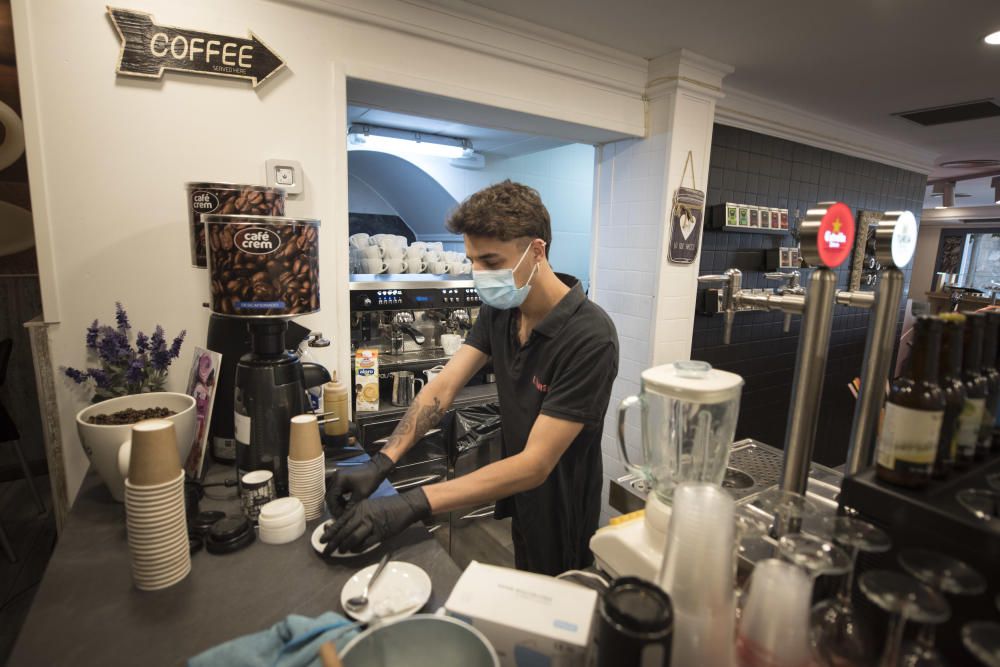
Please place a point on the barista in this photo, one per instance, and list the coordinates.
(555, 355)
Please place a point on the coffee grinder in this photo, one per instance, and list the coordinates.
(264, 271)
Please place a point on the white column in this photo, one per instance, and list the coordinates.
(650, 300)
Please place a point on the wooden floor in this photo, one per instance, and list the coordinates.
(33, 537)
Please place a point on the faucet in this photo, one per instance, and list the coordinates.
(732, 298)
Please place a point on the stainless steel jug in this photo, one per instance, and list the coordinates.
(404, 387)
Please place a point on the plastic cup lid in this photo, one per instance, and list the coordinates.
(694, 381)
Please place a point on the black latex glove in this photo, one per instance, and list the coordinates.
(375, 520)
(350, 485)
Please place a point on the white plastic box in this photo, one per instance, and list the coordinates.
(530, 619)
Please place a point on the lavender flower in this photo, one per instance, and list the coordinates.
(121, 317)
(123, 369)
(92, 336)
(175, 347)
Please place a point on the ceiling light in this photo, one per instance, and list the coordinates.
(970, 164)
(391, 140)
(993, 38)
(995, 183)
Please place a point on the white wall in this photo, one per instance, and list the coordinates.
(924, 259)
(564, 177)
(108, 156)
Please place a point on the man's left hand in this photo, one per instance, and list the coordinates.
(375, 520)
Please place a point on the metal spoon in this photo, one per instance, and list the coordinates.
(358, 603)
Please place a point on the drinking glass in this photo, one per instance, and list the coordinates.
(837, 636)
(945, 575)
(982, 503)
(904, 599)
(814, 554)
(993, 480)
(982, 639)
(788, 509)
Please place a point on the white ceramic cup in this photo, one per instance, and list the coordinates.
(374, 266)
(415, 266)
(371, 252)
(359, 240)
(432, 256)
(458, 268)
(418, 245)
(415, 253)
(451, 343)
(439, 268)
(392, 242)
(396, 265)
(393, 252)
(437, 246)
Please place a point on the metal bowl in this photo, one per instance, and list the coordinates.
(423, 640)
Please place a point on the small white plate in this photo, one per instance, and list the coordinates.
(400, 591)
(319, 546)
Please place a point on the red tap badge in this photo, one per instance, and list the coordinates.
(836, 235)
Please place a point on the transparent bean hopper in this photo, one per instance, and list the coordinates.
(688, 413)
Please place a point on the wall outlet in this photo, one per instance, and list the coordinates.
(284, 174)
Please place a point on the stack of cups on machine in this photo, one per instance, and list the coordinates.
(306, 465)
(154, 507)
(697, 573)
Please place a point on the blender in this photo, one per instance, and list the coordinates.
(688, 416)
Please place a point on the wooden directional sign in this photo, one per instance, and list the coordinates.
(148, 49)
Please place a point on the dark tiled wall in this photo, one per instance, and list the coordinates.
(751, 168)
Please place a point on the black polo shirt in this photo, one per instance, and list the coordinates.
(565, 370)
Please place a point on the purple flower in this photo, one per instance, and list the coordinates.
(141, 342)
(136, 372)
(121, 316)
(157, 341)
(112, 346)
(100, 377)
(76, 376)
(175, 347)
(92, 336)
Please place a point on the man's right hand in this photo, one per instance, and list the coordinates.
(350, 485)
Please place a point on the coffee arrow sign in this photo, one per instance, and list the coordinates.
(148, 49)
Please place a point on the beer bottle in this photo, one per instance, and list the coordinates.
(950, 380)
(971, 420)
(992, 382)
(914, 413)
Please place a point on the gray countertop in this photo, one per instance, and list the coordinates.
(87, 612)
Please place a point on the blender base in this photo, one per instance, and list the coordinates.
(633, 544)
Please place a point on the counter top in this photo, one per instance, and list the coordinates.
(87, 611)
(469, 395)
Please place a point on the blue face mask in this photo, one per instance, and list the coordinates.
(497, 287)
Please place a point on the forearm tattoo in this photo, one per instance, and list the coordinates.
(415, 423)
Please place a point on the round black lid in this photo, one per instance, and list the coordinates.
(230, 528)
(638, 605)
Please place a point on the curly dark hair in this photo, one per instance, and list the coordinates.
(504, 211)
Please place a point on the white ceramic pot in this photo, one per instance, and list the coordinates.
(101, 443)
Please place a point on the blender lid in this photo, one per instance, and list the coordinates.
(694, 381)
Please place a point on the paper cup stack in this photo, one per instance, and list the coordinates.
(154, 507)
(306, 465)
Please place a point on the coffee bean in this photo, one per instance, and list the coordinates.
(232, 200)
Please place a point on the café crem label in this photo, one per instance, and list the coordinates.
(148, 49)
(257, 241)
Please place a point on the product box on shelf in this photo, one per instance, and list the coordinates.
(366, 380)
(530, 619)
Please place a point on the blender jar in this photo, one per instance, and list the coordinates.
(689, 412)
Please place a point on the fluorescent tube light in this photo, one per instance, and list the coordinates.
(391, 140)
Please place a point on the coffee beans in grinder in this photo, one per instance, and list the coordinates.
(263, 266)
(226, 199)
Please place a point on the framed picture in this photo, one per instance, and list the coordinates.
(865, 266)
(202, 383)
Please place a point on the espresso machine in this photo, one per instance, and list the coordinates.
(404, 316)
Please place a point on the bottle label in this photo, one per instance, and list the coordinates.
(908, 441)
(969, 423)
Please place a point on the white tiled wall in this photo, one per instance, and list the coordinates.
(627, 242)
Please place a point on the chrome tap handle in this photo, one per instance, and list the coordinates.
(732, 284)
(791, 286)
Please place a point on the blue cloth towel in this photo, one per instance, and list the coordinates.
(293, 642)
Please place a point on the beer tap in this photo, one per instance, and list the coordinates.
(732, 298)
(791, 286)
